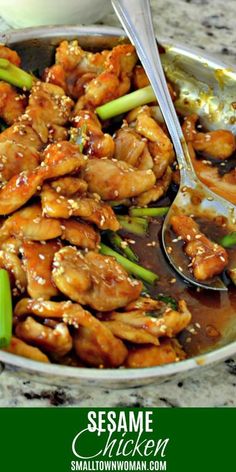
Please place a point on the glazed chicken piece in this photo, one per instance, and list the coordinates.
(57, 341)
(163, 322)
(79, 234)
(29, 223)
(100, 76)
(116, 180)
(69, 186)
(146, 146)
(218, 144)
(11, 262)
(90, 209)
(157, 191)
(12, 104)
(95, 142)
(60, 159)
(209, 175)
(150, 356)
(207, 258)
(20, 348)
(94, 342)
(10, 55)
(93, 279)
(15, 158)
(37, 262)
(113, 81)
(48, 106)
(130, 333)
(129, 147)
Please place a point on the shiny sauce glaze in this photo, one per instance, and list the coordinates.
(213, 313)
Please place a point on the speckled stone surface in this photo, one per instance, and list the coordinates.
(209, 25)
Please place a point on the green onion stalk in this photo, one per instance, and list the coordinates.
(131, 267)
(14, 75)
(5, 309)
(121, 246)
(135, 225)
(153, 212)
(126, 103)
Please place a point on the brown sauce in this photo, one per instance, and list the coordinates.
(213, 313)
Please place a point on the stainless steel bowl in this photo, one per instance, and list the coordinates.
(36, 47)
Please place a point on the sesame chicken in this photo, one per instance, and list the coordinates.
(93, 279)
(208, 258)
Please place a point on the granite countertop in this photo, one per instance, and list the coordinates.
(208, 25)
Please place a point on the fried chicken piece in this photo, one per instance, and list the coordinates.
(93, 279)
(130, 333)
(37, 260)
(129, 146)
(207, 258)
(150, 356)
(116, 180)
(209, 175)
(97, 351)
(90, 209)
(15, 158)
(10, 55)
(48, 105)
(22, 133)
(20, 348)
(80, 234)
(96, 143)
(11, 262)
(29, 223)
(94, 342)
(157, 191)
(57, 340)
(164, 321)
(18, 190)
(219, 144)
(69, 186)
(12, 104)
(113, 81)
(60, 159)
(151, 130)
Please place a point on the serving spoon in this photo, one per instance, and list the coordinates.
(193, 198)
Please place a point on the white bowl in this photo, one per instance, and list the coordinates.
(21, 13)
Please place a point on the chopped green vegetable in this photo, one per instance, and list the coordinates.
(229, 240)
(161, 211)
(135, 225)
(14, 75)
(168, 300)
(126, 103)
(78, 136)
(5, 309)
(130, 266)
(121, 246)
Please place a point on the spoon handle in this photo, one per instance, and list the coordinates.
(136, 18)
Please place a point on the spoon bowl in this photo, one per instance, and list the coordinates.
(193, 198)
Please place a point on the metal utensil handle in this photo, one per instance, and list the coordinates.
(135, 16)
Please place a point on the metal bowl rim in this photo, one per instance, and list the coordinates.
(93, 374)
